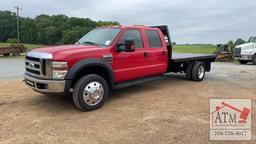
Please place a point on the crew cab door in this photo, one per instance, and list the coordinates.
(157, 52)
(131, 65)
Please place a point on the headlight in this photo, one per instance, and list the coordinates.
(59, 70)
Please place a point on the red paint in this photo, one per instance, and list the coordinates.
(126, 65)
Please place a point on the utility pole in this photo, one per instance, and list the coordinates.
(18, 25)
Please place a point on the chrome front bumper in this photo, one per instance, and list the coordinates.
(45, 86)
(244, 57)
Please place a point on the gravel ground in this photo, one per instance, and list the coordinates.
(11, 68)
(171, 110)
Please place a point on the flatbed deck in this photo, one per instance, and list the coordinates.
(181, 57)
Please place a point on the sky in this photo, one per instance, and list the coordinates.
(189, 21)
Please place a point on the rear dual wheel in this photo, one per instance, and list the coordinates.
(195, 71)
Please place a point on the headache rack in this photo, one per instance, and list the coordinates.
(165, 30)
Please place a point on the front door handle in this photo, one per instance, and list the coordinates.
(145, 54)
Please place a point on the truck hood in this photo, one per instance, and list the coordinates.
(65, 48)
(64, 52)
(247, 45)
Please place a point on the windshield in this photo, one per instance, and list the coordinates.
(252, 40)
(100, 36)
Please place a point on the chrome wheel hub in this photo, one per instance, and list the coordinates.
(201, 72)
(93, 93)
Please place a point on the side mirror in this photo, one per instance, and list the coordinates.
(127, 46)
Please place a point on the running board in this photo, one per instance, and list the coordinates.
(136, 82)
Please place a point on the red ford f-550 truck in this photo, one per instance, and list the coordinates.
(108, 58)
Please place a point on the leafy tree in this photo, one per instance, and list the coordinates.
(73, 35)
(240, 41)
(70, 36)
(231, 45)
(28, 30)
(12, 40)
(7, 25)
(45, 29)
(52, 35)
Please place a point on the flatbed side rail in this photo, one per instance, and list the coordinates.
(209, 58)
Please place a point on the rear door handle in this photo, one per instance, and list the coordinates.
(145, 54)
(164, 53)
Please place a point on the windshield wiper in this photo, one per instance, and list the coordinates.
(91, 43)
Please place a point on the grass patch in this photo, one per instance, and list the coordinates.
(21, 57)
(29, 46)
(196, 48)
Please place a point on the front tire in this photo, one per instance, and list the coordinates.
(16, 53)
(6, 54)
(254, 59)
(90, 92)
(243, 61)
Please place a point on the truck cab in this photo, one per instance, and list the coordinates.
(246, 52)
(108, 58)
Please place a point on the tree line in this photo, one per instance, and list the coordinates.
(45, 29)
(55, 29)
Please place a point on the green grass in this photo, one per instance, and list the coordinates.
(29, 46)
(196, 48)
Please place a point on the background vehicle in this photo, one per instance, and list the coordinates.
(246, 52)
(109, 58)
(15, 50)
(224, 53)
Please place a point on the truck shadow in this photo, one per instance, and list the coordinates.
(169, 79)
(65, 103)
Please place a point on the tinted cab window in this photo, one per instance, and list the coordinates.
(135, 34)
(153, 39)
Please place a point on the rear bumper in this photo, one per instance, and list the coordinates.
(244, 57)
(45, 86)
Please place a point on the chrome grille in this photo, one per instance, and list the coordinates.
(34, 66)
(237, 51)
(38, 66)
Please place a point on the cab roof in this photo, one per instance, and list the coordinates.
(129, 26)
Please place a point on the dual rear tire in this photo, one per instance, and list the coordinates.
(195, 71)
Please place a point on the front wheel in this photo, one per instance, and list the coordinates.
(254, 59)
(243, 61)
(90, 92)
(16, 53)
(6, 54)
